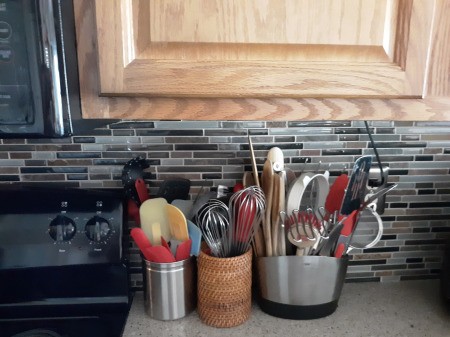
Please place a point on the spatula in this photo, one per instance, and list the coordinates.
(156, 234)
(335, 196)
(141, 189)
(346, 234)
(184, 206)
(177, 223)
(165, 244)
(158, 254)
(151, 253)
(154, 211)
(354, 195)
(140, 238)
(183, 250)
(195, 234)
(133, 211)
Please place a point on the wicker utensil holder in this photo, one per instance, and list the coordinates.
(224, 296)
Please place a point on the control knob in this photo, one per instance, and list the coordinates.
(62, 228)
(97, 229)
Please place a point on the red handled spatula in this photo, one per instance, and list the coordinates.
(353, 199)
(141, 189)
(336, 194)
(183, 250)
(158, 254)
(356, 189)
(346, 234)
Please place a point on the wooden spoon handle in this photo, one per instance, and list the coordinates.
(252, 155)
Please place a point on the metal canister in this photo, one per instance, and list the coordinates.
(300, 287)
(169, 288)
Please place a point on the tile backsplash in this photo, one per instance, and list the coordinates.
(211, 153)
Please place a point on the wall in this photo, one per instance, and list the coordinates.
(416, 221)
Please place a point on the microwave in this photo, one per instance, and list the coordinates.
(39, 88)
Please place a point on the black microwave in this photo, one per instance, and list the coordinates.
(39, 88)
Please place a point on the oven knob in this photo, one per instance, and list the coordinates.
(62, 228)
(97, 229)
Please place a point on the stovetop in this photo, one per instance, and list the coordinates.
(59, 227)
(62, 264)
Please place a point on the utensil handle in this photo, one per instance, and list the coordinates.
(346, 233)
(254, 168)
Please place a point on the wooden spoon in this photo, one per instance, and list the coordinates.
(275, 213)
(281, 207)
(247, 179)
(267, 187)
(252, 155)
(275, 155)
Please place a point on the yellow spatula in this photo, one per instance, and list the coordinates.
(177, 223)
(154, 211)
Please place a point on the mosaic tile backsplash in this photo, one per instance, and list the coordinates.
(211, 153)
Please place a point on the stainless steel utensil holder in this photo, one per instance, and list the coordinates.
(300, 287)
(169, 288)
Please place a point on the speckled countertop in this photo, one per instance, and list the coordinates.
(407, 308)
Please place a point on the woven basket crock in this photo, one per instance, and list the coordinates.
(224, 295)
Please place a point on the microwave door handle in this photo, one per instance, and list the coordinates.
(50, 47)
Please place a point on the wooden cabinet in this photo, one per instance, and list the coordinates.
(272, 59)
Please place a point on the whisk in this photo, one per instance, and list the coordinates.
(246, 209)
(213, 221)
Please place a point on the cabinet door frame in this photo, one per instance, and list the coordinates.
(434, 107)
(129, 63)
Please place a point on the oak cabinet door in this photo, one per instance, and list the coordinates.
(270, 48)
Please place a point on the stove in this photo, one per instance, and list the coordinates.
(62, 266)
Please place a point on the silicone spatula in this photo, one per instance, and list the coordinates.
(183, 250)
(165, 244)
(335, 196)
(156, 234)
(133, 212)
(151, 253)
(346, 234)
(177, 223)
(158, 254)
(184, 206)
(141, 240)
(154, 211)
(195, 234)
(141, 189)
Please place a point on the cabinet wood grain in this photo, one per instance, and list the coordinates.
(169, 47)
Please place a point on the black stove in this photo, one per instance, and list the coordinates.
(62, 267)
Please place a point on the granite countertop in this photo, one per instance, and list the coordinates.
(407, 308)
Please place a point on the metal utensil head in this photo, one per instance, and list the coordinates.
(246, 210)
(213, 221)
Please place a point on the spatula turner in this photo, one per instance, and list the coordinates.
(336, 194)
(354, 195)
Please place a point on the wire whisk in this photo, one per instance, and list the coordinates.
(213, 221)
(246, 210)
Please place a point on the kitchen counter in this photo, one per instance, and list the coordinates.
(407, 308)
